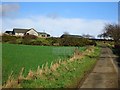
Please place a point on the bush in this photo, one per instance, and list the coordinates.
(19, 41)
(27, 39)
(35, 42)
(54, 41)
(117, 45)
(10, 39)
(44, 41)
(70, 41)
(92, 43)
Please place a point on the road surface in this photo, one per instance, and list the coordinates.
(105, 72)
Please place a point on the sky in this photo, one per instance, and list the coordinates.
(55, 18)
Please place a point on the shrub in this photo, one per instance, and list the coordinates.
(117, 44)
(53, 41)
(70, 41)
(92, 43)
(19, 41)
(44, 41)
(29, 37)
(35, 42)
(8, 38)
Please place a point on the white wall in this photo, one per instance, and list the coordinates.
(43, 34)
(19, 34)
(32, 32)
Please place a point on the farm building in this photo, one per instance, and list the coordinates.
(73, 36)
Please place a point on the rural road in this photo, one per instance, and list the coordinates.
(105, 72)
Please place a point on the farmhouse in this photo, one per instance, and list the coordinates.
(22, 32)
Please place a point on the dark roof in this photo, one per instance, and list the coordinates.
(8, 31)
(74, 36)
(43, 33)
(17, 30)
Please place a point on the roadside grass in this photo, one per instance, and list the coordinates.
(68, 74)
(15, 57)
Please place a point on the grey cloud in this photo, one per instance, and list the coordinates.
(8, 9)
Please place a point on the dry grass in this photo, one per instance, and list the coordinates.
(39, 71)
(11, 82)
(54, 67)
(30, 75)
(21, 77)
(89, 50)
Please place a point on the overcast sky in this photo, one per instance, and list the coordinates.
(56, 18)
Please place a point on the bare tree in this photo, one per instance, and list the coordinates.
(103, 35)
(112, 31)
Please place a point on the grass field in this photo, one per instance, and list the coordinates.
(14, 57)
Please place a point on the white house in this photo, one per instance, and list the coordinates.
(22, 32)
(43, 34)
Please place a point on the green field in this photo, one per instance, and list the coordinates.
(14, 57)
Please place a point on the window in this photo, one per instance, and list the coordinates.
(27, 33)
(43, 35)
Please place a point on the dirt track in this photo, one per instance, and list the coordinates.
(104, 75)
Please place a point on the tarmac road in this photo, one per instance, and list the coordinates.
(105, 72)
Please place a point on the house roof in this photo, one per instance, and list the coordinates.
(17, 30)
(67, 35)
(8, 31)
(43, 33)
